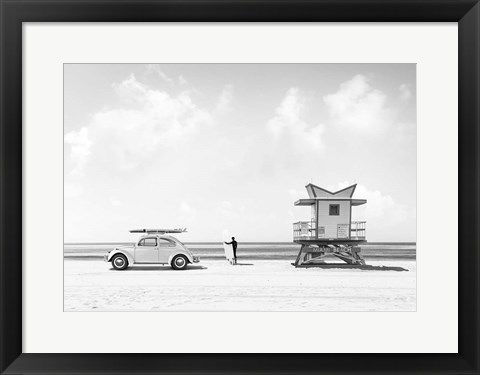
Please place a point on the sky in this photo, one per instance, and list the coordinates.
(230, 147)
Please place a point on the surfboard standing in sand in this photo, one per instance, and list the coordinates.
(228, 249)
(234, 248)
(229, 252)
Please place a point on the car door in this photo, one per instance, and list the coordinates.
(146, 250)
(165, 248)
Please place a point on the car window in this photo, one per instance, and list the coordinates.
(152, 242)
(164, 242)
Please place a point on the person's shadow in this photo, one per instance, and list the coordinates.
(243, 264)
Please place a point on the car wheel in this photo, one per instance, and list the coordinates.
(119, 262)
(179, 262)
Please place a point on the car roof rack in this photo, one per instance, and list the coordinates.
(159, 231)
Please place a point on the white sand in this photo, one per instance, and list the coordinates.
(92, 285)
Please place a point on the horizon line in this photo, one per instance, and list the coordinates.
(243, 242)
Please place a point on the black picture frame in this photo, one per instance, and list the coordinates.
(14, 12)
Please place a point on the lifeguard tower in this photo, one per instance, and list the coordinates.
(330, 230)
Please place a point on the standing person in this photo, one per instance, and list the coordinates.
(234, 245)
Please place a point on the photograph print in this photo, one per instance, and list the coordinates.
(240, 187)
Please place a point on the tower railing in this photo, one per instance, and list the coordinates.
(306, 230)
(358, 230)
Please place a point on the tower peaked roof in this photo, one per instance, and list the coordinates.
(315, 191)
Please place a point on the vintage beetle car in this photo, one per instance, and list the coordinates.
(155, 247)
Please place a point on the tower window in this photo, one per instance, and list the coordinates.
(334, 210)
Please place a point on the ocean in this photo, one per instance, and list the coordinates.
(248, 250)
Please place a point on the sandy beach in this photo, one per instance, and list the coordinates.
(253, 285)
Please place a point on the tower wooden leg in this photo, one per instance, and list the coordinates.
(349, 254)
(299, 256)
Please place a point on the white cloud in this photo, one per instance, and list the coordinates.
(405, 93)
(72, 190)
(115, 202)
(227, 210)
(80, 144)
(359, 106)
(289, 122)
(381, 206)
(182, 80)
(381, 210)
(155, 69)
(225, 99)
(122, 138)
(130, 89)
(188, 213)
(296, 194)
(225, 207)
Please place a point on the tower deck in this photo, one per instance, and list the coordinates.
(308, 231)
